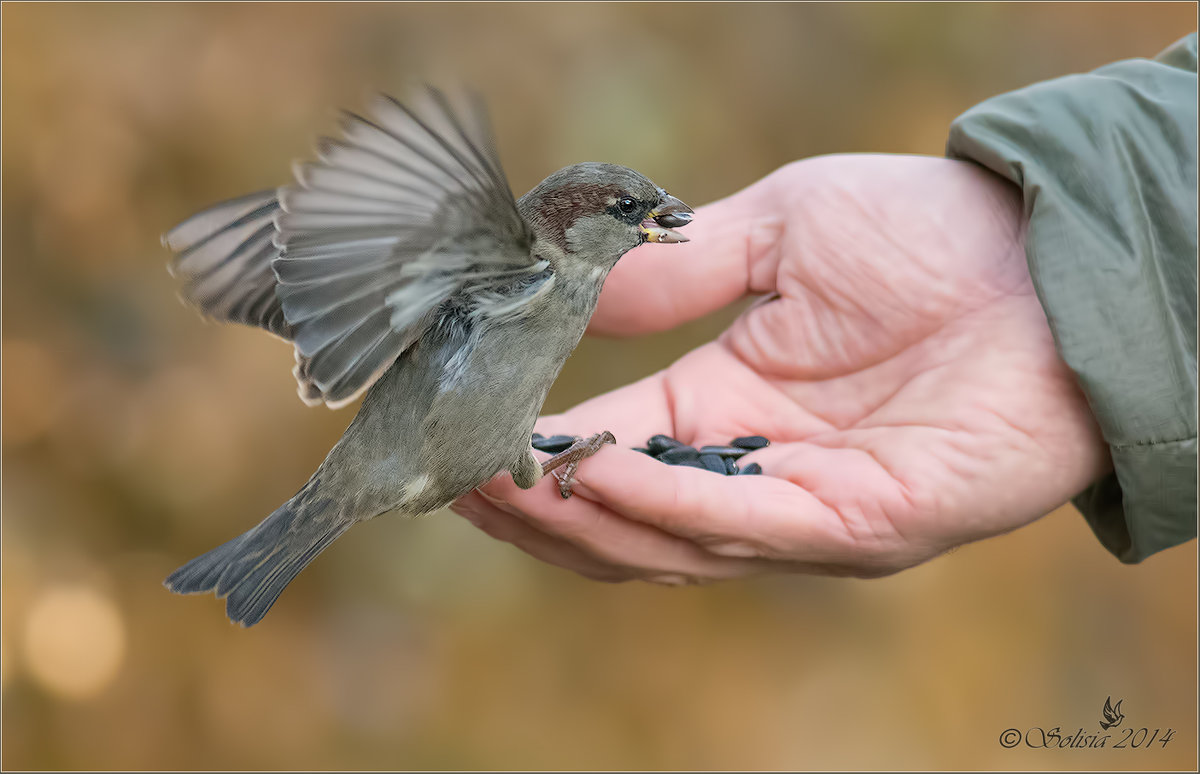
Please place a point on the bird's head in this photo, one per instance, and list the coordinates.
(598, 212)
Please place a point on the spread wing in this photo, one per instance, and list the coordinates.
(409, 210)
(223, 258)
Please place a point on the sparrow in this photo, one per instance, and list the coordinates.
(398, 264)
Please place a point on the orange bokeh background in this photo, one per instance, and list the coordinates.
(135, 436)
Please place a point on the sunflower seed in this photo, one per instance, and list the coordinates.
(679, 454)
(660, 443)
(724, 451)
(753, 469)
(750, 442)
(713, 462)
(555, 443)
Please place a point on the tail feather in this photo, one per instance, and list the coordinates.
(252, 570)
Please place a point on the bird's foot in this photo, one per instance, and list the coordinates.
(569, 460)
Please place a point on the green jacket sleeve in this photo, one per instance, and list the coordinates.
(1107, 165)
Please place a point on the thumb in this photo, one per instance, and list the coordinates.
(656, 287)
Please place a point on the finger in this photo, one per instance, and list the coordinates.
(657, 287)
(605, 537)
(495, 522)
(731, 516)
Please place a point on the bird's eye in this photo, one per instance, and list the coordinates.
(627, 205)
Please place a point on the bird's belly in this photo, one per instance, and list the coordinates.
(480, 427)
(421, 441)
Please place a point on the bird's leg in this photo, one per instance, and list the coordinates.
(569, 459)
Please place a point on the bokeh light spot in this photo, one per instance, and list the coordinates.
(74, 641)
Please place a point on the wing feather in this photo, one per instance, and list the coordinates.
(405, 216)
(223, 258)
(406, 212)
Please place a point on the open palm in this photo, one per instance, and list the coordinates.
(898, 359)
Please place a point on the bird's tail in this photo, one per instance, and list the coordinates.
(253, 569)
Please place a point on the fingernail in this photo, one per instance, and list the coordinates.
(668, 579)
(492, 498)
(733, 548)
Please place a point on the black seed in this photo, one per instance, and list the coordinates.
(713, 462)
(660, 443)
(678, 454)
(538, 436)
(731, 468)
(696, 463)
(554, 444)
(750, 442)
(724, 451)
(643, 451)
(753, 469)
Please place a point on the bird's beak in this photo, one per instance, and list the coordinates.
(670, 214)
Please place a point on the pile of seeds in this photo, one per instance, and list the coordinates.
(664, 448)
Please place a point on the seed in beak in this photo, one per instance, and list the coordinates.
(674, 219)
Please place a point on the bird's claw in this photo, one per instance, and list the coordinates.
(565, 479)
(569, 460)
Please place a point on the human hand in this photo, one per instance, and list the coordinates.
(900, 363)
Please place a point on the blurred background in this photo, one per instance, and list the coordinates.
(135, 436)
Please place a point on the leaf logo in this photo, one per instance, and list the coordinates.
(1112, 715)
